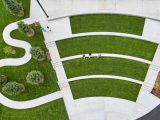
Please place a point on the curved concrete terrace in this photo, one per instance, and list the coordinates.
(108, 55)
(100, 108)
(16, 43)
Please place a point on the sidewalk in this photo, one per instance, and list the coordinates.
(59, 69)
(145, 97)
(30, 103)
(16, 43)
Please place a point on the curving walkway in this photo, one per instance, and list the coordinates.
(105, 76)
(16, 43)
(30, 103)
(20, 61)
(108, 55)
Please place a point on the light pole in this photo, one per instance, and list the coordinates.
(42, 9)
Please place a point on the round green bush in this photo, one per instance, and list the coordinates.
(35, 77)
(25, 29)
(3, 79)
(38, 53)
(13, 88)
(9, 50)
(14, 7)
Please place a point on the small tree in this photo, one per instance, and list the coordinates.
(3, 79)
(14, 7)
(25, 28)
(13, 88)
(35, 77)
(9, 50)
(38, 53)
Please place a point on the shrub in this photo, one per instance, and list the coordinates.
(13, 88)
(14, 7)
(38, 53)
(35, 77)
(3, 79)
(25, 28)
(9, 50)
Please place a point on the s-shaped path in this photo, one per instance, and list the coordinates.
(16, 43)
(20, 61)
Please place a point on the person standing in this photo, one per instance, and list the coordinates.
(49, 28)
(90, 55)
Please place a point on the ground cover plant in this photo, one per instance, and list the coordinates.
(14, 7)
(13, 88)
(38, 53)
(35, 77)
(156, 88)
(25, 29)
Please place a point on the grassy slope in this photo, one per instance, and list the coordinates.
(19, 73)
(107, 44)
(105, 87)
(7, 18)
(106, 66)
(107, 23)
(51, 111)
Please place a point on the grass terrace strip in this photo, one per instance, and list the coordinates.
(7, 18)
(19, 73)
(53, 110)
(107, 23)
(106, 66)
(105, 87)
(107, 44)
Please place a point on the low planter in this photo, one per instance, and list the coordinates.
(21, 13)
(13, 52)
(156, 89)
(30, 34)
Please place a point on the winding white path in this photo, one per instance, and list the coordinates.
(16, 43)
(105, 76)
(20, 61)
(30, 103)
(108, 55)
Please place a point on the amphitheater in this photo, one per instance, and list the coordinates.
(105, 55)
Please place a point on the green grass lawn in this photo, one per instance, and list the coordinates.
(105, 87)
(51, 111)
(19, 73)
(107, 44)
(7, 18)
(107, 23)
(106, 66)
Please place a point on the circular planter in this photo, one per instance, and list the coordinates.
(30, 34)
(21, 13)
(13, 52)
